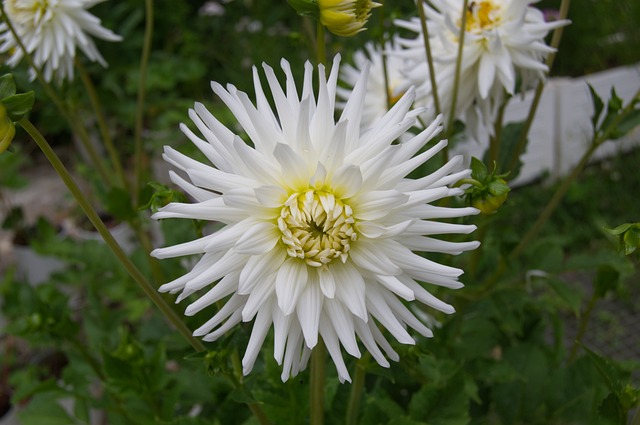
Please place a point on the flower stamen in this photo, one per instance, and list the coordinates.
(316, 227)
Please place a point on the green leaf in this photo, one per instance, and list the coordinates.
(611, 409)
(7, 86)
(19, 105)
(628, 123)
(598, 106)
(615, 103)
(44, 409)
(611, 375)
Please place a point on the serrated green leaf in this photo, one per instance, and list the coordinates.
(609, 373)
(598, 106)
(19, 105)
(7, 86)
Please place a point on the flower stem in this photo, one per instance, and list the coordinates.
(582, 327)
(355, 397)
(102, 123)
(318, 362)
(427, 48)
(494, 141)
(320, 44)
(142, 82)
(555, 42)
(238, 382)
(133, 271)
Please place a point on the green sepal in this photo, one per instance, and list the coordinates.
(19, 105)
(305, 7)
(7, 86)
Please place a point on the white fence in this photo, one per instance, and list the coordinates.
(561, 130)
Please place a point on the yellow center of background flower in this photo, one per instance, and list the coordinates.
(316, 227)
(481, 15)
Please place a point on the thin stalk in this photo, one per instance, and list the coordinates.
(427, 49)
(555, 42)
(78, 129)
(383, 56)
(321, 50)
(133, 271)
(142, 82)
(582, 327)
(102, 122)
(494, 141)
(456, 81)
(318, 363)
(353, 408)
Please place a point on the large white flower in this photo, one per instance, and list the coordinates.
(381, 91)
(50, 31)
(503, 39)
(319, 222)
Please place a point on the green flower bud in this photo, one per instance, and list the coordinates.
(628, 235)
(345, 17)
(488, 191)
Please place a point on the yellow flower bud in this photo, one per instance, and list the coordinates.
(7, 129)
(345, 17)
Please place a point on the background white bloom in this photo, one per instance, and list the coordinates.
(380, 92)
(51, 30)
(320, 222)
(503, 39)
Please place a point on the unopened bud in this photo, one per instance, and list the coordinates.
(7, 129)
(345, 17)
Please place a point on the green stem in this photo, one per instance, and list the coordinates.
(102, 123)
(477, 253)
(318, 362)
(427, 48)
(168, 312)
(385, 69)
(142, 82)
(456, 80)
(582, 328)
(555, 42)
(320, 44)
(73, 122)
(494, 141)
(353, 408)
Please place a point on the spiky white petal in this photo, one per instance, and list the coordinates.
(50, 31)
(320, 221)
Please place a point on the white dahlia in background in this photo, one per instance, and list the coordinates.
(503, 39)
(319, 220)
(381, 92)
(50, 31)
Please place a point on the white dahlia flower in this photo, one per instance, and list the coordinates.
(381, 91)
(319, 220)
(50, 31)
(503, 39)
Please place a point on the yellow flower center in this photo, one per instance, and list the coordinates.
(481, 15)
(316, 227)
